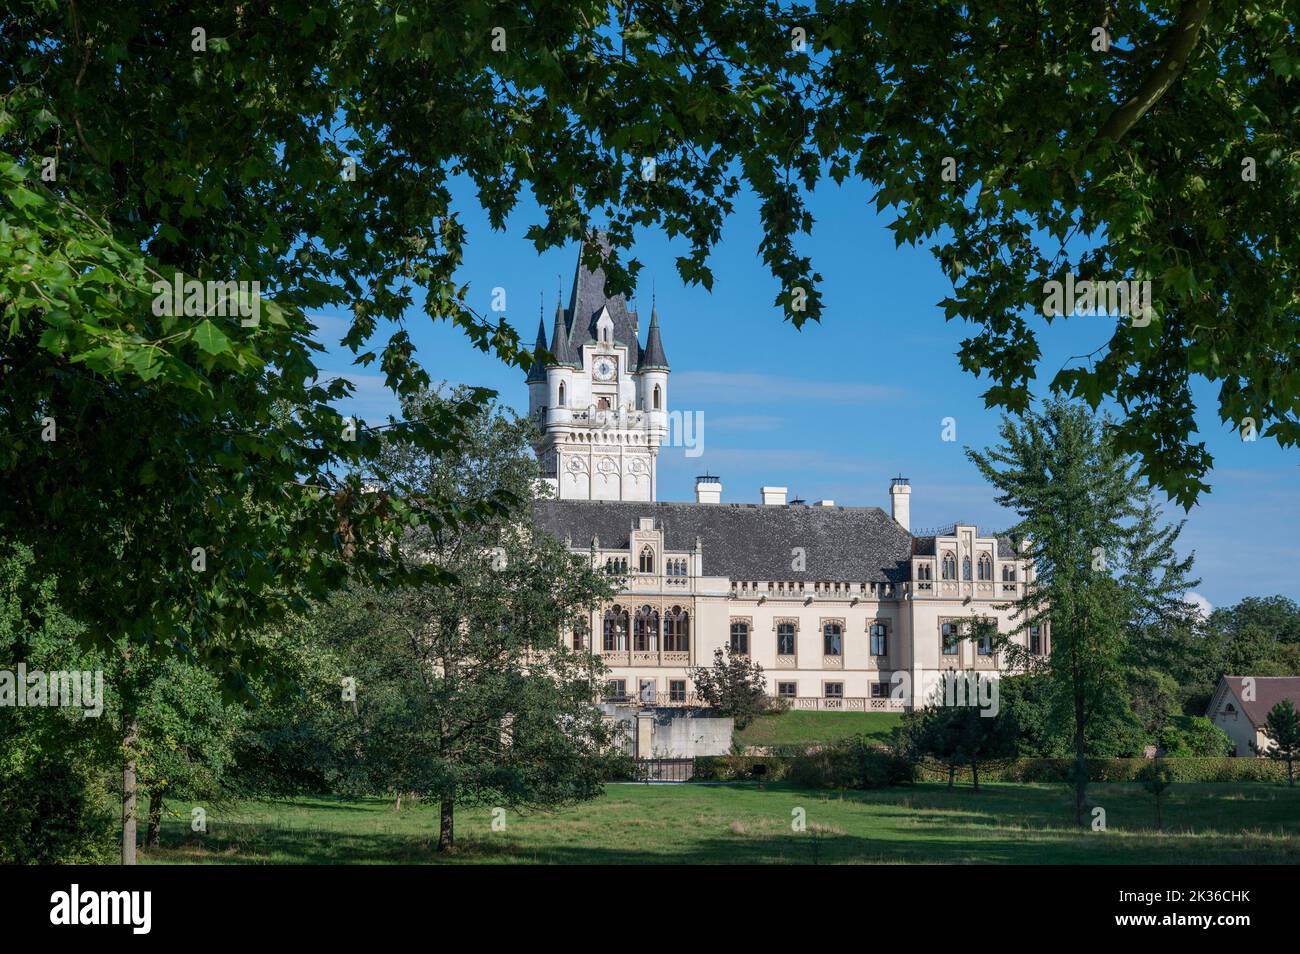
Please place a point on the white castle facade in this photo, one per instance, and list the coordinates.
(843, 607)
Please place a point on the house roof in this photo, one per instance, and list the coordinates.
(749, 541)
(1269, 691)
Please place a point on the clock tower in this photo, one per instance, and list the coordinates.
(599, 399)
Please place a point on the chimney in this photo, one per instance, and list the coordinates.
(900, 502)
(708, 489)
(773, 496)
(824, 503)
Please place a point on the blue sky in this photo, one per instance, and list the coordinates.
(835, 410)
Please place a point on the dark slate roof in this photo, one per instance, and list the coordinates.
(749, 541)
(1269, 691)
(537, 372)
(924, 546)
(653, 355)
(576, 325)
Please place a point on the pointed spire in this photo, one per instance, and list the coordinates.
(653, 355)
(560, 350)
(537, 372)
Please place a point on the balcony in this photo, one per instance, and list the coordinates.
(844, 704)
(644, 657)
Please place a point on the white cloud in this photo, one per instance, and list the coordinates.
(1198, 601)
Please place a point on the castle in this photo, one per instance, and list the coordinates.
(844, 607)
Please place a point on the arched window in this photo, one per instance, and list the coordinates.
(1008, 573)
(658, 397)
(647, 560)
(965, 568)
(677, 630)
(581, 631)
(615, 629)
(645, 630)
(985, 567)
(563, 399)
(740, 638)
(923, 571)
(949, 567)
(832, 639)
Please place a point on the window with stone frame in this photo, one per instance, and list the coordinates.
(615, 629)
(785, 639)
(832, 639)
(879, 639)
(677, 630)
(647, 564)
(787, 690)
(645, 630)
(833, 690)
(949, 566)
(950, 636)
(740, 637)
(985, 567)
(676, 690)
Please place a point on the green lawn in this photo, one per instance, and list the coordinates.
(798, 728)
(1243, 823)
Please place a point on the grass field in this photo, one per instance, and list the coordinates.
(798, 728)
(1243, 823)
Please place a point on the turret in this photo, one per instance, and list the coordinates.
(654, 378)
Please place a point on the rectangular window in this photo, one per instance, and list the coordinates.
(834, 690)
(984, 646)
(740, 638)
(1036, 640)
(832, 640)
(785, 639)
(787, 690)
(951, 640)
(581, 629)
(615, 689)
(676, 690)
(647, 692)
(879, 639)
(880, 690)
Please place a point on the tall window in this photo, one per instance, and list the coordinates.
(562, 398)
(785, 639)
(984, 644)
(879, 639)
(677, 630)
(740, 638)
(1036, 640)
(1008, 573)
(949, 567)
(676, 690)
(985, 567)
(658, 398)
(832, 639)
(951, 639)
(965, 568)
(647, 560)
(581, 633)
(615, 629)
(645, 630)
(923, 571)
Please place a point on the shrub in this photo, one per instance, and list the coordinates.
(51, 813)
(851, 763)
(1117, 770)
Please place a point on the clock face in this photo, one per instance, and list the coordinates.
(604, 369)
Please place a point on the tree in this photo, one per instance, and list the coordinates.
(1150, 145)
(466, 690)
(1103, 564)
(957, 732)
(1157, 779)
(1283, 733)
(734, 686)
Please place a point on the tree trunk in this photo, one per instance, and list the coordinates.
(975, 774)
(128, 792)
(446, 840)
(1290, 771)
(153, 838)
(1080, 751)
(952, 771)
(398, 807)
(1160, 823)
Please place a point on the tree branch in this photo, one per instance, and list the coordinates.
(1182, 40)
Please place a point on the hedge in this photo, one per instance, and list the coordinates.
(1113, 770)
